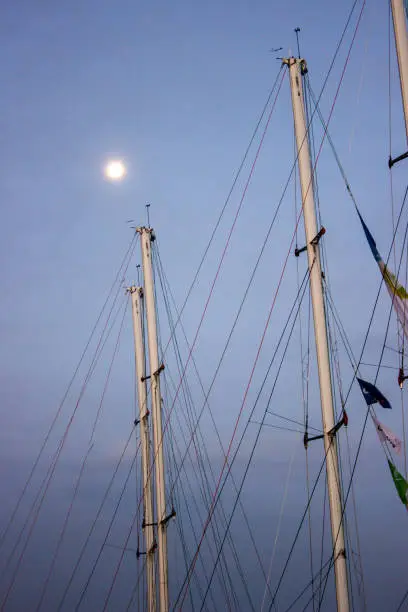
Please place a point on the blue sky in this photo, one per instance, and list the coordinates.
(176, 90)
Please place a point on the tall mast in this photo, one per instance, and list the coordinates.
(148, 520)
(297, 67)
(146, 237)
(401, 43)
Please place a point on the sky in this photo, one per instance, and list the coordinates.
(176, 89)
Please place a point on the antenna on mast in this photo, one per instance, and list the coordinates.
(297, 30)
(138, 274)
(148, 216)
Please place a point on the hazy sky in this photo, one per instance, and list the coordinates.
(176, 90)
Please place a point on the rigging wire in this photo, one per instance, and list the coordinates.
(55, 462)
(277, 427)
(205, 487)
(179, 523)
(228, 240)
(278, 527)
(27, 521)
(308, 585)
(246, 520)
(325, 577)
(303, 288)
(299, 529)
(234, 182)
(115, 575)
(83, 465)
(280, 416)
(126, 257)
(93, 525)
(198, 508)
(225, 462)
(136, 587)
(111, 523)
(402, 601)
(62, 534)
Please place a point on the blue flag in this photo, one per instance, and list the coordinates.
(372, 395)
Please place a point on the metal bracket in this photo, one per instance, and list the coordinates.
(299, 251)
(153, 548)
(331, 433)
(316, 239)
(392, 161)
(168, 518)
(313, 242)
(159, 369)
(137, 421)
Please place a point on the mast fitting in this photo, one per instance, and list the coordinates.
(392, 161)
(331, 433)
(313, 242)
(167, 518)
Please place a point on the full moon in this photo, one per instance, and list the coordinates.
(115, 170)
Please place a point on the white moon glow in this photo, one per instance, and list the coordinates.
(115, 170)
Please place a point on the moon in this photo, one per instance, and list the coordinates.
(115, 170)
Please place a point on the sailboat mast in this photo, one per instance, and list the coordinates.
(146, 237)
(297, 68)
(401, 43)
(148, 520)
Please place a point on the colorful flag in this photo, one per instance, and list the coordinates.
(386, 435)
(397, 292)
(372, 395)
(400, 484)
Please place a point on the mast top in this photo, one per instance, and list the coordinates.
(289, 61)
(148, 230)
(134, 289)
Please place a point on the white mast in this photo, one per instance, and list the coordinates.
(148, 520)
(146, 237)
(296, 69)
(401, 43)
